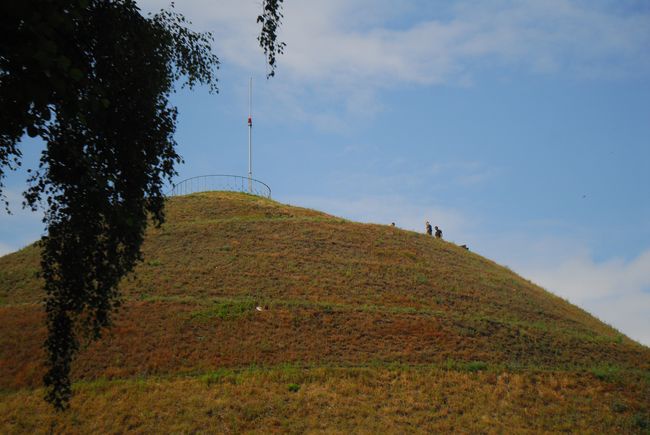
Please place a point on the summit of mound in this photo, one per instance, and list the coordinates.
(335, 292)
(250, 294)
(251, 315)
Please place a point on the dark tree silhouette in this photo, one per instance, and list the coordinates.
(92, 78)
(271, 18)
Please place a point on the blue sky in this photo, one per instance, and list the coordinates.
(522, 128)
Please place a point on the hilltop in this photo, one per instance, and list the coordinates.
(362, 326)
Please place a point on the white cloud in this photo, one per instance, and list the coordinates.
(581, 279)
(6, 249)
(344, 51)
(616, 291)
(353, 42)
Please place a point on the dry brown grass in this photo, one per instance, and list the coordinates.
(340, 294)
(362, 400)
(222, 244)
(167, 337)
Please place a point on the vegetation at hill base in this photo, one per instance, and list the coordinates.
(362, 328)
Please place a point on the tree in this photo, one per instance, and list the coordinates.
(93, 78)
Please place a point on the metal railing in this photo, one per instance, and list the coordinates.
(235, 183)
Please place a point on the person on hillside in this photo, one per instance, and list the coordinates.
(438, 233)
(429, 229)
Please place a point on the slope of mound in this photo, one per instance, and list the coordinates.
(333, 293)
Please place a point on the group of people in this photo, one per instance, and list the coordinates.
(430, 230)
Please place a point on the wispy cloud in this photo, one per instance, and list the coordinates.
(6, 249)
(615, 290)
(345, 51)
(397, 175)
(353, 42)
(387, 209)
(464, 173)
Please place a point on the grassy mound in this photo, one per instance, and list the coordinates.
(398, 320)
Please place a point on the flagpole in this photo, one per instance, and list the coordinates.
(250, 134)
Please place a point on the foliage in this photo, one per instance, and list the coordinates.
(270, 19)
(93, 78)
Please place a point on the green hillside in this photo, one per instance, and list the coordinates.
(363, 328)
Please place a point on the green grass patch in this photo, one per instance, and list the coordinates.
(421, 279)
(476, 366)
(606, 373)
(217, 376)
(226, 310)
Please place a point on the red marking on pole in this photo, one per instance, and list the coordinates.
(250, 121)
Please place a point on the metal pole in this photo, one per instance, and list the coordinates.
(250, 134)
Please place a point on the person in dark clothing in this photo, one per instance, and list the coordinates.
(438, 233)
(429, 229)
